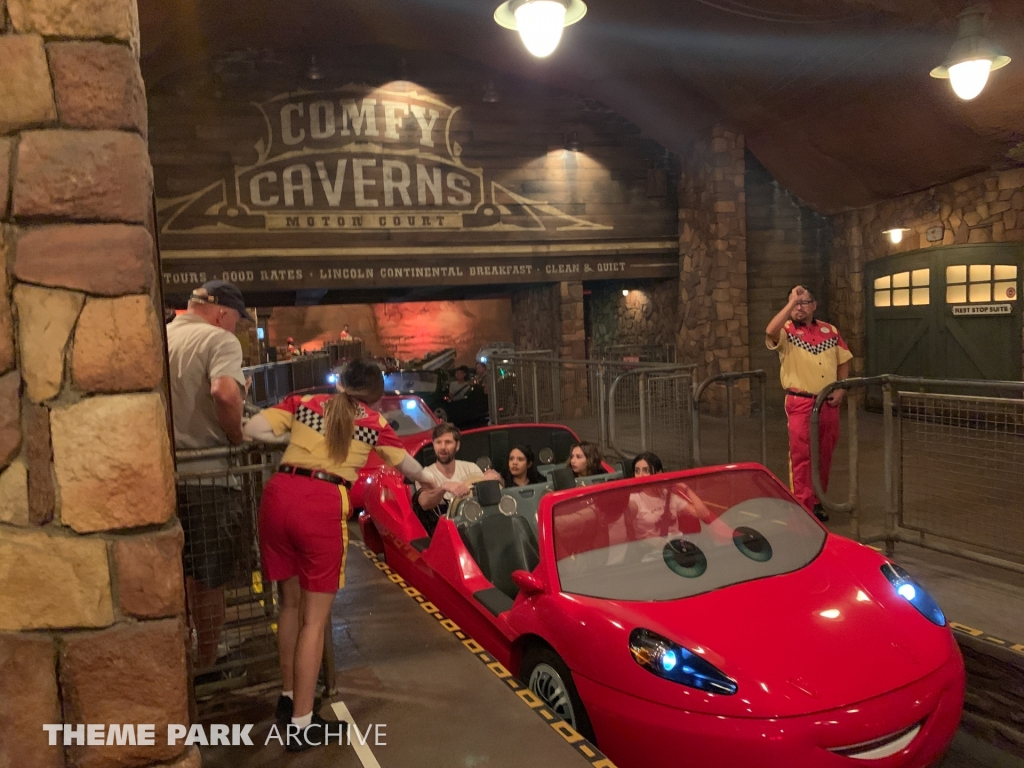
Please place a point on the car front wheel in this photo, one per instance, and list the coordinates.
(549, 677)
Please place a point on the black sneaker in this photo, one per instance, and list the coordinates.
(285, 709)
(820, 513)
(315, 734)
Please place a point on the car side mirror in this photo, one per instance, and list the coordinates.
(529, 584)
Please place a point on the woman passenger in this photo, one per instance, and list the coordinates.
(522, 469)
(585, 459)
(302, 531)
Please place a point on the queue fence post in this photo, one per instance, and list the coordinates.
(602, 406)
(328, 671)
(492, 395)
(730, 425)
(763, 386)
(854, 455)
(890, 512)
(556, 390)
(536, 392)
(642, 396)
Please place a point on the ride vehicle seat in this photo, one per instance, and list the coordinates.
(498, 538)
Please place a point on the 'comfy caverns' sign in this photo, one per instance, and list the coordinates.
(351, 161)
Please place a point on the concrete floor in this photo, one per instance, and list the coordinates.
(397, 667)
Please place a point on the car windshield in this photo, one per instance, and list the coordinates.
(407, 415)
(411, 381)
(669, 539)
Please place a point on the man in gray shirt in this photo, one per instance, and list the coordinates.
(207, 389)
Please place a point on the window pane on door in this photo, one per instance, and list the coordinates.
(980, 272)
(1006, 272)
(919, 277)
(957, 274)
(883, 283)
(901, 296)
(981, 291)
(901, 280)
(920, 296)
(883, 298)
(1006, 291)
(956, 294)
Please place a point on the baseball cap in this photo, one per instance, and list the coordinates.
(226, 295)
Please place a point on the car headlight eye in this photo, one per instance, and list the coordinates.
(684, 558)
(752, 544)
(669, 660)
(913, 593)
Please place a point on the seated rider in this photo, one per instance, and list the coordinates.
(451, 477)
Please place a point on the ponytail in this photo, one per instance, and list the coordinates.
(339, 425)
(361, 382)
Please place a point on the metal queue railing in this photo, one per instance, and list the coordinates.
(730, 380)
(952, 466)
(610, 403)
(230, 608)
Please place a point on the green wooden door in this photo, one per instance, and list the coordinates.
(949, 312)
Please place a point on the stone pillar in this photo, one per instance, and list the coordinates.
(535, 317)
(846, 277)
(91, 610)
(572, 342)
(713, 330)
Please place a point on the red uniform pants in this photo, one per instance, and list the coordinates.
(303, 532)
(798, 415)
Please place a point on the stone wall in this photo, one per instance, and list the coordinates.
(644, 319)
(536, 317)
(985, 208)
(572, 341)
(787, 244)
(714, 327)
(91, 611)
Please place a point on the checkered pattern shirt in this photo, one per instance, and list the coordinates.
(303, 416)
(810, 354)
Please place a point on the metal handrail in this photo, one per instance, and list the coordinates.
(641, 371)
(728, 379)
(891, 388)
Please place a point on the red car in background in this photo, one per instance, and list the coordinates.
(700, 617)
(412, 420)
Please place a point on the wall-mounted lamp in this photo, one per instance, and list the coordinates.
(572, 142)
(313, 71)
(895, 234)
(540, 22)
(972, 56)
(625, 292)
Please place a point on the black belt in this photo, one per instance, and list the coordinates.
(796, 393)
(316, 474)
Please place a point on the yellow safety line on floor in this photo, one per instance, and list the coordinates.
(978, 634)
(584, 748)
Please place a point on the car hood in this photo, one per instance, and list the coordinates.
(829, 635)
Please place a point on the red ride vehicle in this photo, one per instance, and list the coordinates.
(412, 420)
(699, 617)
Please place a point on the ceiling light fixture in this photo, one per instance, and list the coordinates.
(313, 72)
(972, 57)
(896, 234)
(540, 22)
